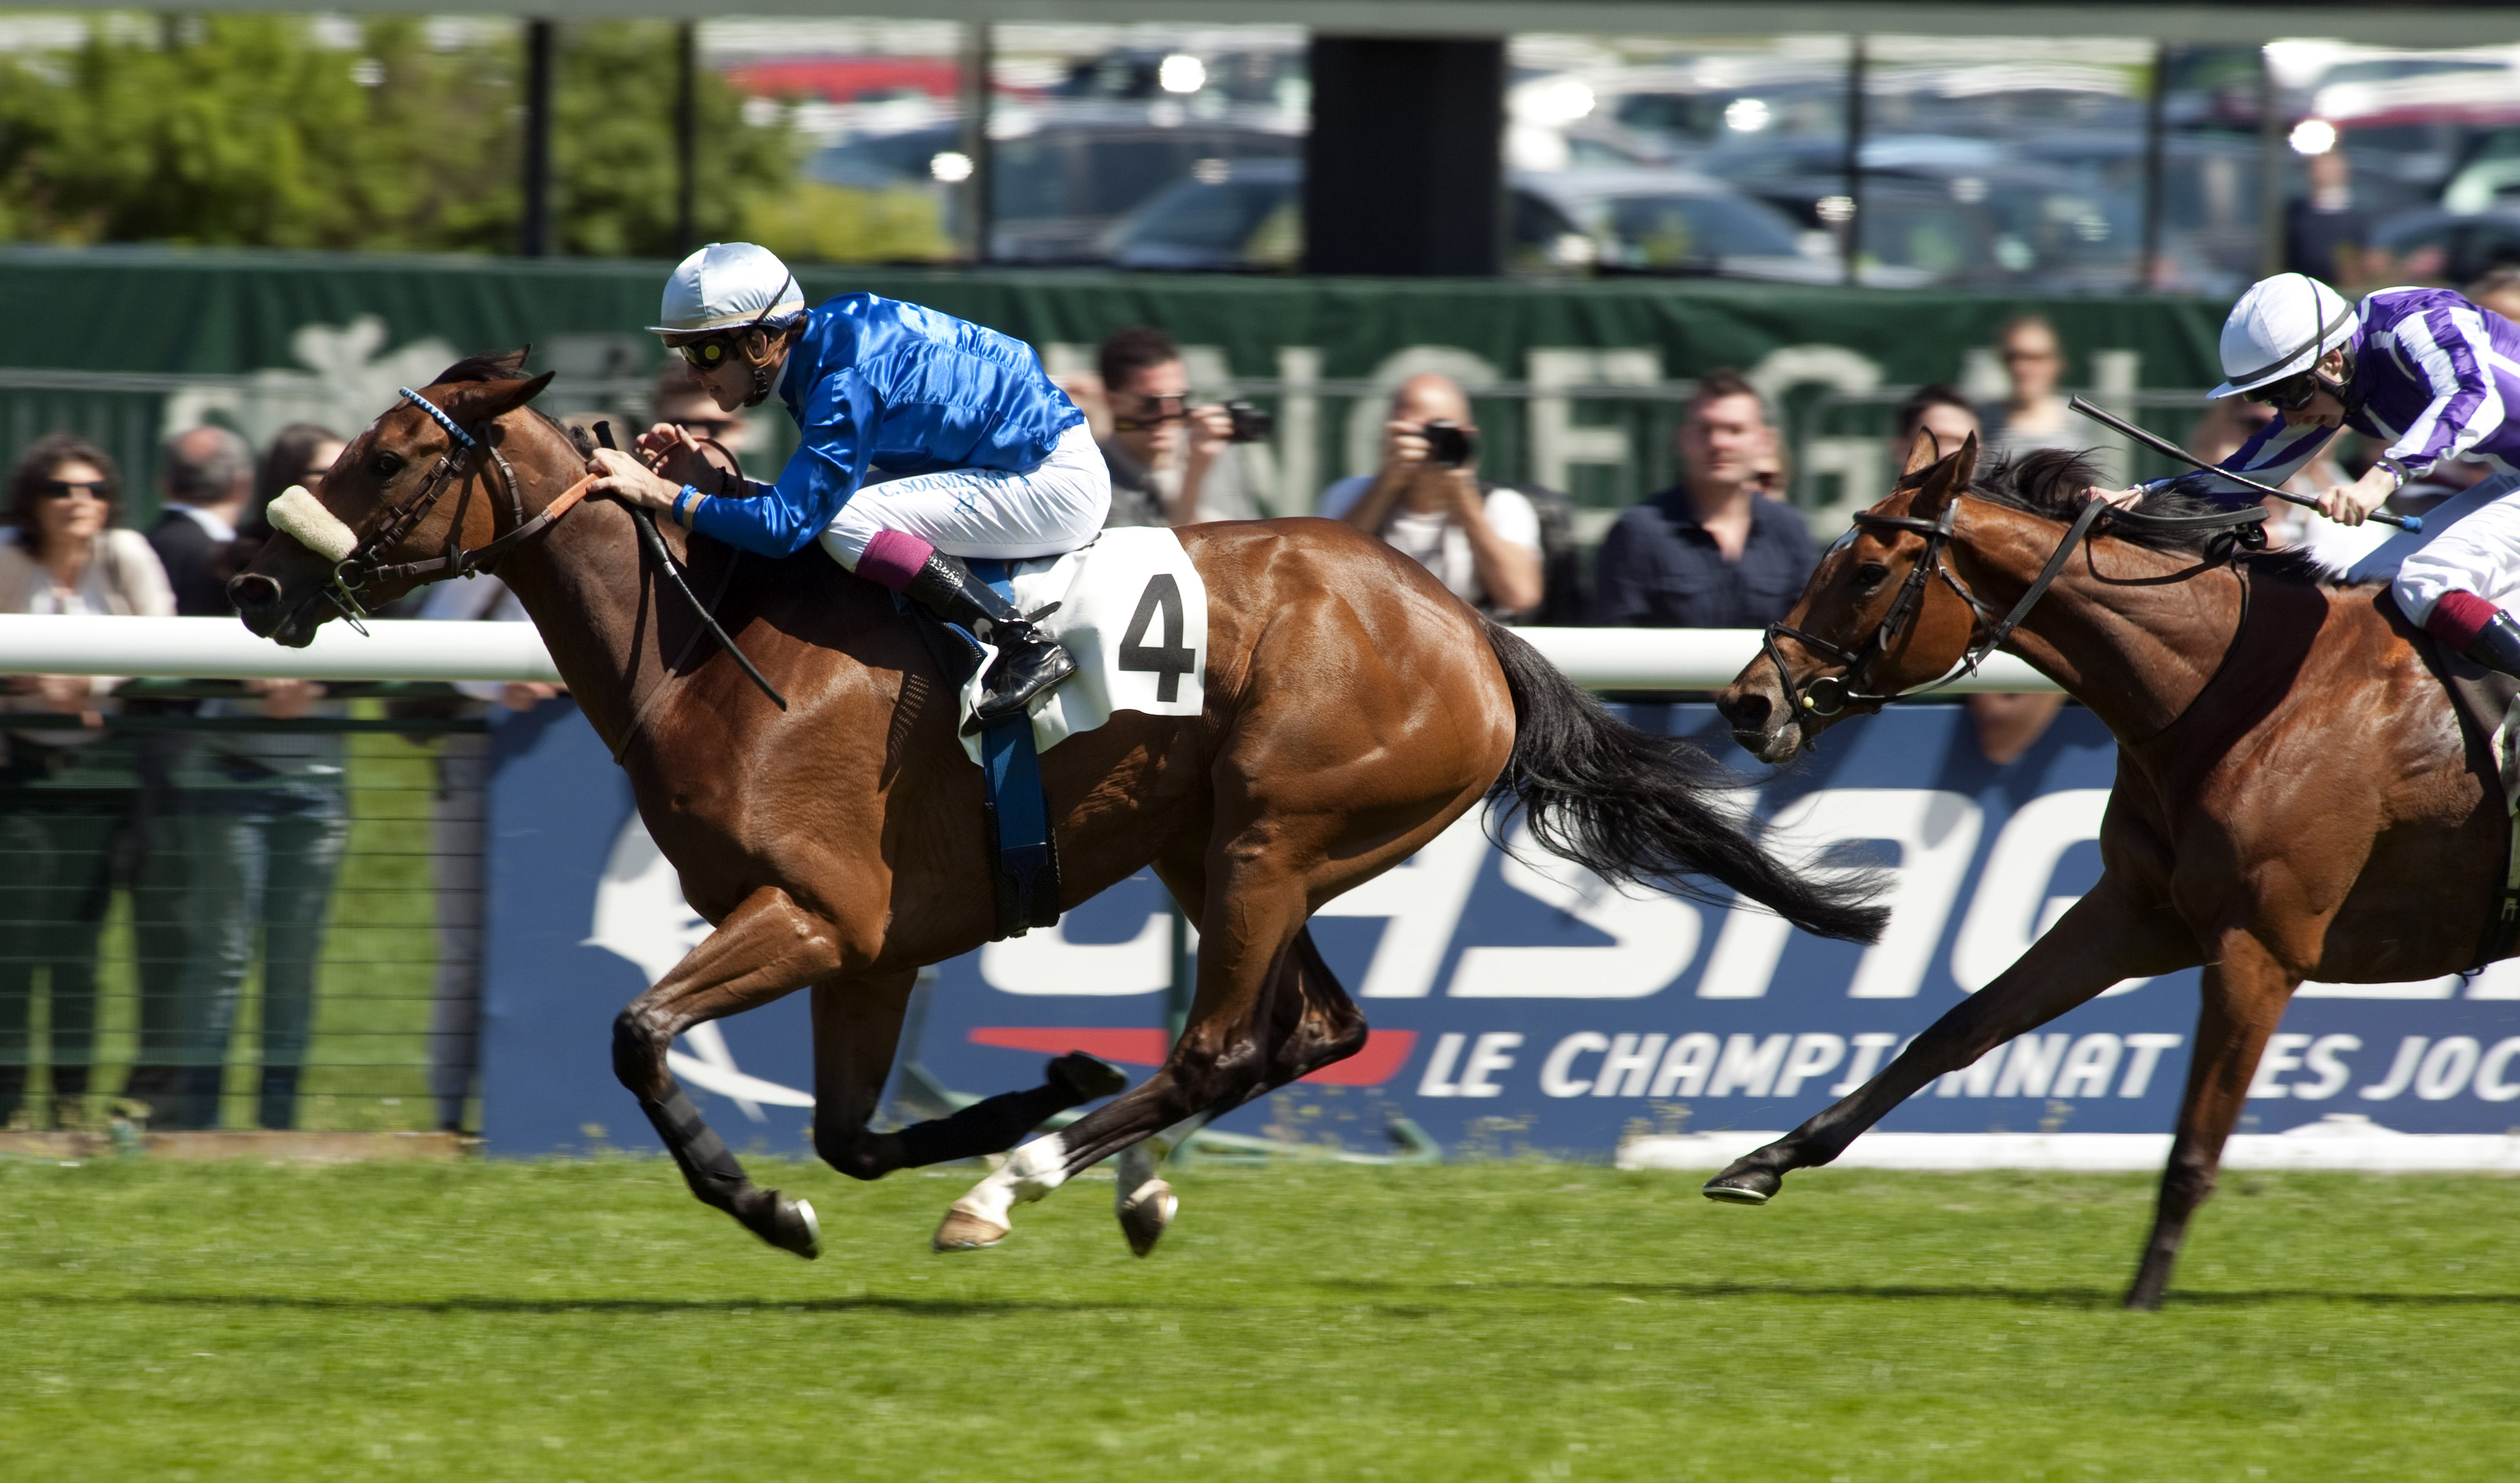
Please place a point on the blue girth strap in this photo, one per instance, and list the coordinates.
(1027, 876)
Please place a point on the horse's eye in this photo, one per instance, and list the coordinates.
(386, 465)
(1870, 575)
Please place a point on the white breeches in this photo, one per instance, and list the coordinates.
(2470, 542)
(1053, 507)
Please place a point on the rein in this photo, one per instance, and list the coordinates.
(1831, 695)
(354, 573)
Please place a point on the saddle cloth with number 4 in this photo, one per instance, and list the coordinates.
(1132, 610)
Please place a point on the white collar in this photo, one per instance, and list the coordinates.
(219, 529)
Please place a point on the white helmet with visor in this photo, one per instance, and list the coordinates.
(2277, 333)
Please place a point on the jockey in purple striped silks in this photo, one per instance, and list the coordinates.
(2426, 373)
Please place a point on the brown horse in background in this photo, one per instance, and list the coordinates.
(1354, 709)
(2295, 797)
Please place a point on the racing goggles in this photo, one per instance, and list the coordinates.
(710, 354)
(2293, 393)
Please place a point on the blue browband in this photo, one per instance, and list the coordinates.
(462, 439)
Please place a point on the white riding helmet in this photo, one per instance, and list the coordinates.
(725, 286)
(2280, 328)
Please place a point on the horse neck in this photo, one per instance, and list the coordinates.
(578, 581)
(2132, 632)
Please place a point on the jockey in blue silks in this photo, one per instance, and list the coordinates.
(925, 440)
(2430, 376)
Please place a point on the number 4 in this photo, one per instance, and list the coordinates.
(1173, 659)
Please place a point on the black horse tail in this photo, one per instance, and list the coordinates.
(1637, 808)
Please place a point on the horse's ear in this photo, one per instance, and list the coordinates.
(1943, 480)
(480, 401)
(1924, 454)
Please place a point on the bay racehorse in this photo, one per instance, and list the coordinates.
(2295, 796)
(1354, 709)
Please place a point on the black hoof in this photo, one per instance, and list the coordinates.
(786, 1224)
(1738, 1185)
(1083, 1078)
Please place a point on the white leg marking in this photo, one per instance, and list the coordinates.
(1031, 1172)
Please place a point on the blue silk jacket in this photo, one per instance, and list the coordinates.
(878, 383)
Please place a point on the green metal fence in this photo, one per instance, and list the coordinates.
(147, 835)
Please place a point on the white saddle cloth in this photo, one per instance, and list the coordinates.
(1134, 612)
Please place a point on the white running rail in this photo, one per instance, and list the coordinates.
(1597, 658)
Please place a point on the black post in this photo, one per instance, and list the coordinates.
(1851, 244)
(2156, 146)
(687, 137)
(535, 238)
(978, 189)
(1404, 171)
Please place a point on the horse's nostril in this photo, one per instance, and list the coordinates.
(1748, 711)
(252, 590)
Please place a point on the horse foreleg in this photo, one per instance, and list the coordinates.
(2243, 1000)
(2101, 940)
(767, 947)
(857, 1031)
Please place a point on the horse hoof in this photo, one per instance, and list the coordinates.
(1144, 1214)
(964, 1231)
(1086, 1078)
(792, 1227)
(1742, 1187)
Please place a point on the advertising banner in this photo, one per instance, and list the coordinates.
(1516, 1004)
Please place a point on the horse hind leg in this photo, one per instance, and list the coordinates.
(766, 948)
(1298, 1021)
(1327, 1027)
(2243, 1000)
(857, 1032)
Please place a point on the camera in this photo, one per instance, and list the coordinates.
(1251, 425)
(1450, 443)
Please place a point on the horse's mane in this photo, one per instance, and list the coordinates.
(509, 366)
(2050, 483)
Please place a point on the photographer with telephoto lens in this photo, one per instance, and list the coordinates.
(1170, 461)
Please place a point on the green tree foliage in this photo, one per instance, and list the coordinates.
(249, 131)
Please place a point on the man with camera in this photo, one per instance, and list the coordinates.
(1169, 460)
(1482, 541)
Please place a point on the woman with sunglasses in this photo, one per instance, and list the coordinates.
(2432, 378)
(66, 788)
(926, 440)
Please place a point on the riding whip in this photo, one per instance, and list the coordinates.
(2413, 524)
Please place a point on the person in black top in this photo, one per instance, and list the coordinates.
(208, 480)
(1709, 553)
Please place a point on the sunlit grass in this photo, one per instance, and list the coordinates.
(1491, 1321)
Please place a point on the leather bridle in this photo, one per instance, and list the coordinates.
(364, 568)
(1829, 695)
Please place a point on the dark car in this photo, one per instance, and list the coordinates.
(1962, 212)
(1058, 188)
(1248, 216)
(2450, 247)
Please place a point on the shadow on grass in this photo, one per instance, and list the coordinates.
(2041, 1297)
(868, 1303)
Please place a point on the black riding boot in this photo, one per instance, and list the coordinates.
(1028, 663)
(2497, 645)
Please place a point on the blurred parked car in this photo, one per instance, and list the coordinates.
(2436, 246)
(1674, 222)
(1058, 188)
(1249, 216)
(1955, 210)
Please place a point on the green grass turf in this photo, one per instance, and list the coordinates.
(1499, 1320)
